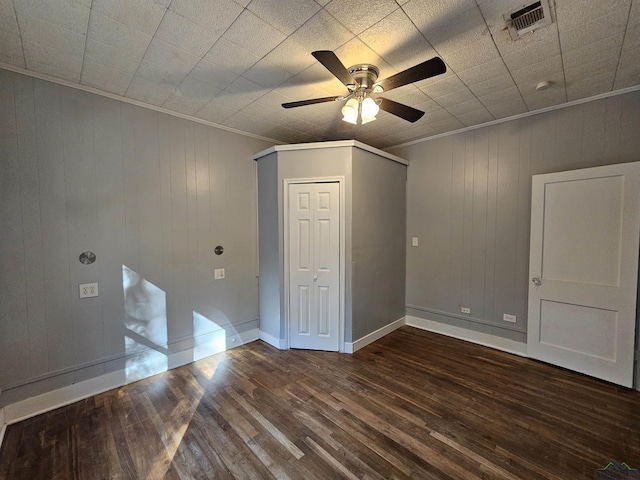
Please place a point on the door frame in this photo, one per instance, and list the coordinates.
(285, 239)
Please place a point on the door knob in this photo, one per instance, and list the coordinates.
(315, 278)
(536, 281)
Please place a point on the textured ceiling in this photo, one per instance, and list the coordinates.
(234, 62)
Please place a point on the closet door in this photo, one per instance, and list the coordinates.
(314, 265)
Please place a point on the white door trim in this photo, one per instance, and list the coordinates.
(285, 238)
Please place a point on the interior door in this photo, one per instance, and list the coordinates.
(314, 266)
(584, 269)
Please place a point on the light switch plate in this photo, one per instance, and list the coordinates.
(218, 273)
(414, 241)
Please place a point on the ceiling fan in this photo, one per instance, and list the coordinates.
(362, 83)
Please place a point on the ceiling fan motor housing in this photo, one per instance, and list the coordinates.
(365, 74)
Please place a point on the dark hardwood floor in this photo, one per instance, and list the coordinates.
(412, 405)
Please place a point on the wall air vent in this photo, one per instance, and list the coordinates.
(528, 18)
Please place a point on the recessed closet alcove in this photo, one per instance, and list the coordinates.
(332, 244)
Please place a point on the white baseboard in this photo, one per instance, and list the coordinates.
(279, 343)
(48, 401)
(238, 339)
(351, 347)
(485, 339)
(30, 407)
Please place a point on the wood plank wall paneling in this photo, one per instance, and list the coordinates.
(110, 170)
(469, 202)
(55, 236)
(12, 255)
(478, 218)
(82, 204)
(203, 221)
(31, 224)
(153, 192)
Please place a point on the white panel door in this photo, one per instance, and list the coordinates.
(584, 270)
(314, 266)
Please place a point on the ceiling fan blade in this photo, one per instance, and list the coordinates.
(332, 63)
(302, 103)
(401, 110)
(423, 70)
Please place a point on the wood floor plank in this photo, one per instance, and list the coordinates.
(411, 405)
(272, 429)
(207, 457)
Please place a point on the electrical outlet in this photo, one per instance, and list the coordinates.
(466, 310)
(509, 318)
(414, 241)
(218, 273)
(88, 290)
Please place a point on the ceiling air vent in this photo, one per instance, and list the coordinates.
(528, 18)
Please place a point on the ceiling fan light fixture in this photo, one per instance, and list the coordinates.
(350, 111)
(369, 108)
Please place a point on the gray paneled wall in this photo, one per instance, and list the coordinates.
(469, 204)
(153, 192)
(378, 198)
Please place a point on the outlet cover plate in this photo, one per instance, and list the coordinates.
(465, 310)
(509, 318)
(88, 290)
(218, 273)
